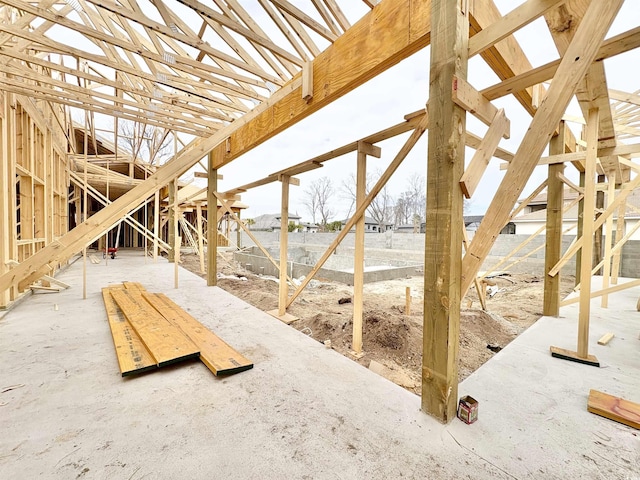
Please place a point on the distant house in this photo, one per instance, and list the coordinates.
(308, 227)
(410, 228)
(471, 224)
(531, 222)
(271, 222)
(371, 226)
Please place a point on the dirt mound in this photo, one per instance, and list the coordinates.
(392, 341)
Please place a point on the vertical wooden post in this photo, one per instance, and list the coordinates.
(606, 271)
(597, 237)
(615, 270)
(579, 231)
(587, 232)
(171, 218)
(283, 290)
(212, 224)
(443, 238)
(358, 266)
(553, 239)
(156, 224)
(200, 235)
(85, 200)
(238, 231)
(6, 200)
(407, 301)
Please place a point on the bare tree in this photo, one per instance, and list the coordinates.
(317, 198)
(381, 208)
(145, 142)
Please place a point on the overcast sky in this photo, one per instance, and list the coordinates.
(383, 102)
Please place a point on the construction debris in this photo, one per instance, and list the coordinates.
(614, 408)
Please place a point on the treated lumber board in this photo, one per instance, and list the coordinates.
(474, 102)
(133, 356)
(217, 355)
(614, 408)
(166, 342)
(606, 338)
(134, 286)
(443, 237)
(565, 354)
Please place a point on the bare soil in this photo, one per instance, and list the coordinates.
(392, 340)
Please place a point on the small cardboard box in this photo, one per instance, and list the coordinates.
(468, 409)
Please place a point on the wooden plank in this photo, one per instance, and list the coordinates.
(166, 342)
(443, 237)
(474, 102)
(133, 356)
(217, 355)
(283, 287)
(480, 160)
(614, 408)
(597, 293)
(574, 65)
(565, 354)
(606, 338)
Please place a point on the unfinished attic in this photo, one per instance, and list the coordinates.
(127, 130)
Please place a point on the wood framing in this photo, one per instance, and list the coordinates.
(443, 242)
(572, 69)
(553, 238)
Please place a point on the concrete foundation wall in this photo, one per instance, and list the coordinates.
(409, 248)
(254, 261)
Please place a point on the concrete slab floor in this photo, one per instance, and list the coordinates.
(304, 411)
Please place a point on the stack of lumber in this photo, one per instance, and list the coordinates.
(150, 331)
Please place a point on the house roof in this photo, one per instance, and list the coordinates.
(367, 221)
(633, 200)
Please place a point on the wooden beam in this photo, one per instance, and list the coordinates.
(587, 233)
(283, 288)
(574, 65)
(616, 45)
(474, 102)
(553, 237)
(358, 264)
(443, 237)
(616, 288)
(382, 38)
(480, 160)
(606, 271)
(517, 18)
(212, 225)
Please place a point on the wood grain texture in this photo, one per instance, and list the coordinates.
(572, 356)
(217, 355)
(133, 356)
(614, 408)
(166, 342)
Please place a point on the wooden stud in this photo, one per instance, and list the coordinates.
(200, 236)
(172, 222)
(480, 160)
(358, 264)
(443, 241)
(156, 224)
(474, 102)
(212, 225)
(553, 236)
(283, 289)
(587, 233)
(307, 81)
(620, 224)
(606, 271)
